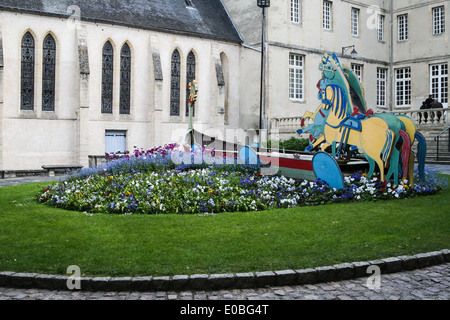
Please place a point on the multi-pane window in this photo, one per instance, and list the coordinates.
(327, 15)
(175, 84)
(355, 22)
(380, 28)
(125, 79)
(439, 82)
(48, 74)
(402, 27)
(295, 11)
(438, 20)
(358, 70)
(296, 76)
(190, 77)
(381, 87)
(27, 73)
(403, 87)
(107, 78)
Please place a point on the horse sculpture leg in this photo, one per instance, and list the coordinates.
(406, 151)
(421, 153)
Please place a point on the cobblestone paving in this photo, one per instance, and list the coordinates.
(431, 283)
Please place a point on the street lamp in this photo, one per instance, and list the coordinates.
(262, 4)
(353, 54)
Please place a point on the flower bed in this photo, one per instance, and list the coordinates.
(151, 183)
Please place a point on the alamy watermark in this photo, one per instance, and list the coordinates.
(255, 150)
(74, 281)
(373, 20)
(374, 281)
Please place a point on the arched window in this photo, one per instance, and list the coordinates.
(125, 79)
(27, 73)
(107, 78)
(48, 74)
(190, 76)
(175, 84)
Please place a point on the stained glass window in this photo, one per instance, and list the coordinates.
(27, 73)
(190, 76)
(107, 78)
(175, 84)
(125, 79)
(48, 74)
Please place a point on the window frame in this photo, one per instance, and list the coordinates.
(402, 26)
(48, 73)
(27, 80)
(358, 70)
(438, 17)
(107, 98)
(354, 22)
(405, 84)
(125, 79)
(327, 15)
(380, 27)
(116, 133)
(295, 12)
(439, 82)
(175, 83)
(296, 77)
(191, 65)
(382, 78)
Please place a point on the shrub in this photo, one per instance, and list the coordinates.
(293, 144)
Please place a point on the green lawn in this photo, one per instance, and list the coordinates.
(37, 238)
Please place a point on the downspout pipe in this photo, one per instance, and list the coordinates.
(391, 58)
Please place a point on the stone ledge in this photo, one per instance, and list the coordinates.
(336, 272)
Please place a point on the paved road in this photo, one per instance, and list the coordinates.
(431, 283)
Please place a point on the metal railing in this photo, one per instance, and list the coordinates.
(440, 141)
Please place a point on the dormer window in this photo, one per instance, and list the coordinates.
(188, 3)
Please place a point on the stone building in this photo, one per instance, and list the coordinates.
(81, 78)
(402, 51)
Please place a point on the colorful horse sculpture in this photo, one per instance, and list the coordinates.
(343, 119)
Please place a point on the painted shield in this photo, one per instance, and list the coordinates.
(327, 169)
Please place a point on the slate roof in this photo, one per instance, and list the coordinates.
(205, 18)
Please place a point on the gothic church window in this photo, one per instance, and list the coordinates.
(48, 74)
(125, 79)
(27, 73)
(107, 78)
(175, 84)
(190, 76)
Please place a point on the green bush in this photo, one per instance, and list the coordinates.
(294, 144)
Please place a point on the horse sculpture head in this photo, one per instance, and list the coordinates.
(333, 73)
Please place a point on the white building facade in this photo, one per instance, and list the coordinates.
(402, 51)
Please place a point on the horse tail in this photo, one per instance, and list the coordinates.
(406, 150)
(421, 153)
(386, 152)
